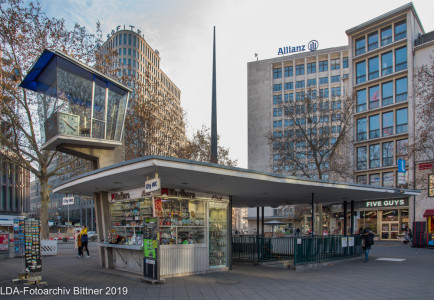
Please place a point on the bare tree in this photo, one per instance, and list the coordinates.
(315, 136)
(315, 140)
(25, 31)
(155, 121)
(199, 149)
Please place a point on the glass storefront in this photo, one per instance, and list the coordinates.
(188, 223)
(388, 219)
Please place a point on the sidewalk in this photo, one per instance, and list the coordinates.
(377, 279)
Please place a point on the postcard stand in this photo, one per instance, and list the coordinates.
(32, 254)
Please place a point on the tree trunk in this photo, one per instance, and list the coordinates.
(45, 200)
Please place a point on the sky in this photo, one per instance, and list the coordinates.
(182, 31)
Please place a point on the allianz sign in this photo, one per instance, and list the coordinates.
(312, 46)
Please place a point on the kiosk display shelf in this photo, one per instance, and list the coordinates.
(218, 238)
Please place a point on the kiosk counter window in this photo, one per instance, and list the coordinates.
(182, 221)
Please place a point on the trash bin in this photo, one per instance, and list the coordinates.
(4, 244)
(65, 240)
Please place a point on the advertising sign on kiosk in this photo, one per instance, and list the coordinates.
(151, 241)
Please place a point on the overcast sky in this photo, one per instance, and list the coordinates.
(182, 32)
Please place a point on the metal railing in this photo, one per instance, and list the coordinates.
(302, 249)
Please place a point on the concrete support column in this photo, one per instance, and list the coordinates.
(262, 220)
(352, 217)
(313, 216)
(345, 218)
(257, 222)
(230, 233)
(103, 225)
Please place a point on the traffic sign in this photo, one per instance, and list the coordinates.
(68, 201)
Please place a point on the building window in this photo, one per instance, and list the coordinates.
(129, 39)
(324, 93)
(362, 179)
(387, 93)
(299, 70)
(374, 180)
(401, 120)
(374, 156)
(125, 38)
(289, 97)
(125, 51)
(345, 62)
(277, 124)
(400, 30)
(336, 91)
(374, 97)
(401, 89)
(277, 99)
(277, 112)
(373, 41)
(388, 179)
(335, 64)
(323, 66)
(311, 94)
(323, 80)
(361, 129)
(373, 68)
(336, 78)
(289, 86)
(299, 84)
(299, 96)
(374, 126)
(361, 158)
(400, 59)
(360, 46)
(311, 68)
(386, 63)
(386, 35)
(289, 70)
(120, 39)
(311, 82)
(388, 154)
(277, 87)
(277, 73)
(361, 72)
(361, 100)
(401, 149)
(388, 123)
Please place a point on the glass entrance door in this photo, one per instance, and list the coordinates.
(389, 230)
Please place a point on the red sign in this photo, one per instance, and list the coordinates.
(4, 241)
(425, 166)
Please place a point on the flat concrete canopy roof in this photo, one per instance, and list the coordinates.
(248, 188)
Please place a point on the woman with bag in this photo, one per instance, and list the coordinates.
(367, 241)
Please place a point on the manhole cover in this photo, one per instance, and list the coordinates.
(227, 282)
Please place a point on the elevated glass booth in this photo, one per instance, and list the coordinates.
(77, 104)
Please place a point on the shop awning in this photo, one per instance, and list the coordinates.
(429, 213)
(248, 188)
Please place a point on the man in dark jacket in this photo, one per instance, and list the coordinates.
(367, 240)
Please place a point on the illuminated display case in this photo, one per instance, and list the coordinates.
(127, 220)
(182, 222)
(218, 236)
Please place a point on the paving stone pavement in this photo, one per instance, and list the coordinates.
(353, 279)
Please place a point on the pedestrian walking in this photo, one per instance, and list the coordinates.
(84, 241)
(78, 243)
(367, 242)
(297, 232)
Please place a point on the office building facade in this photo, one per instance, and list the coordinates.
(135, 59)
(380, 63)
